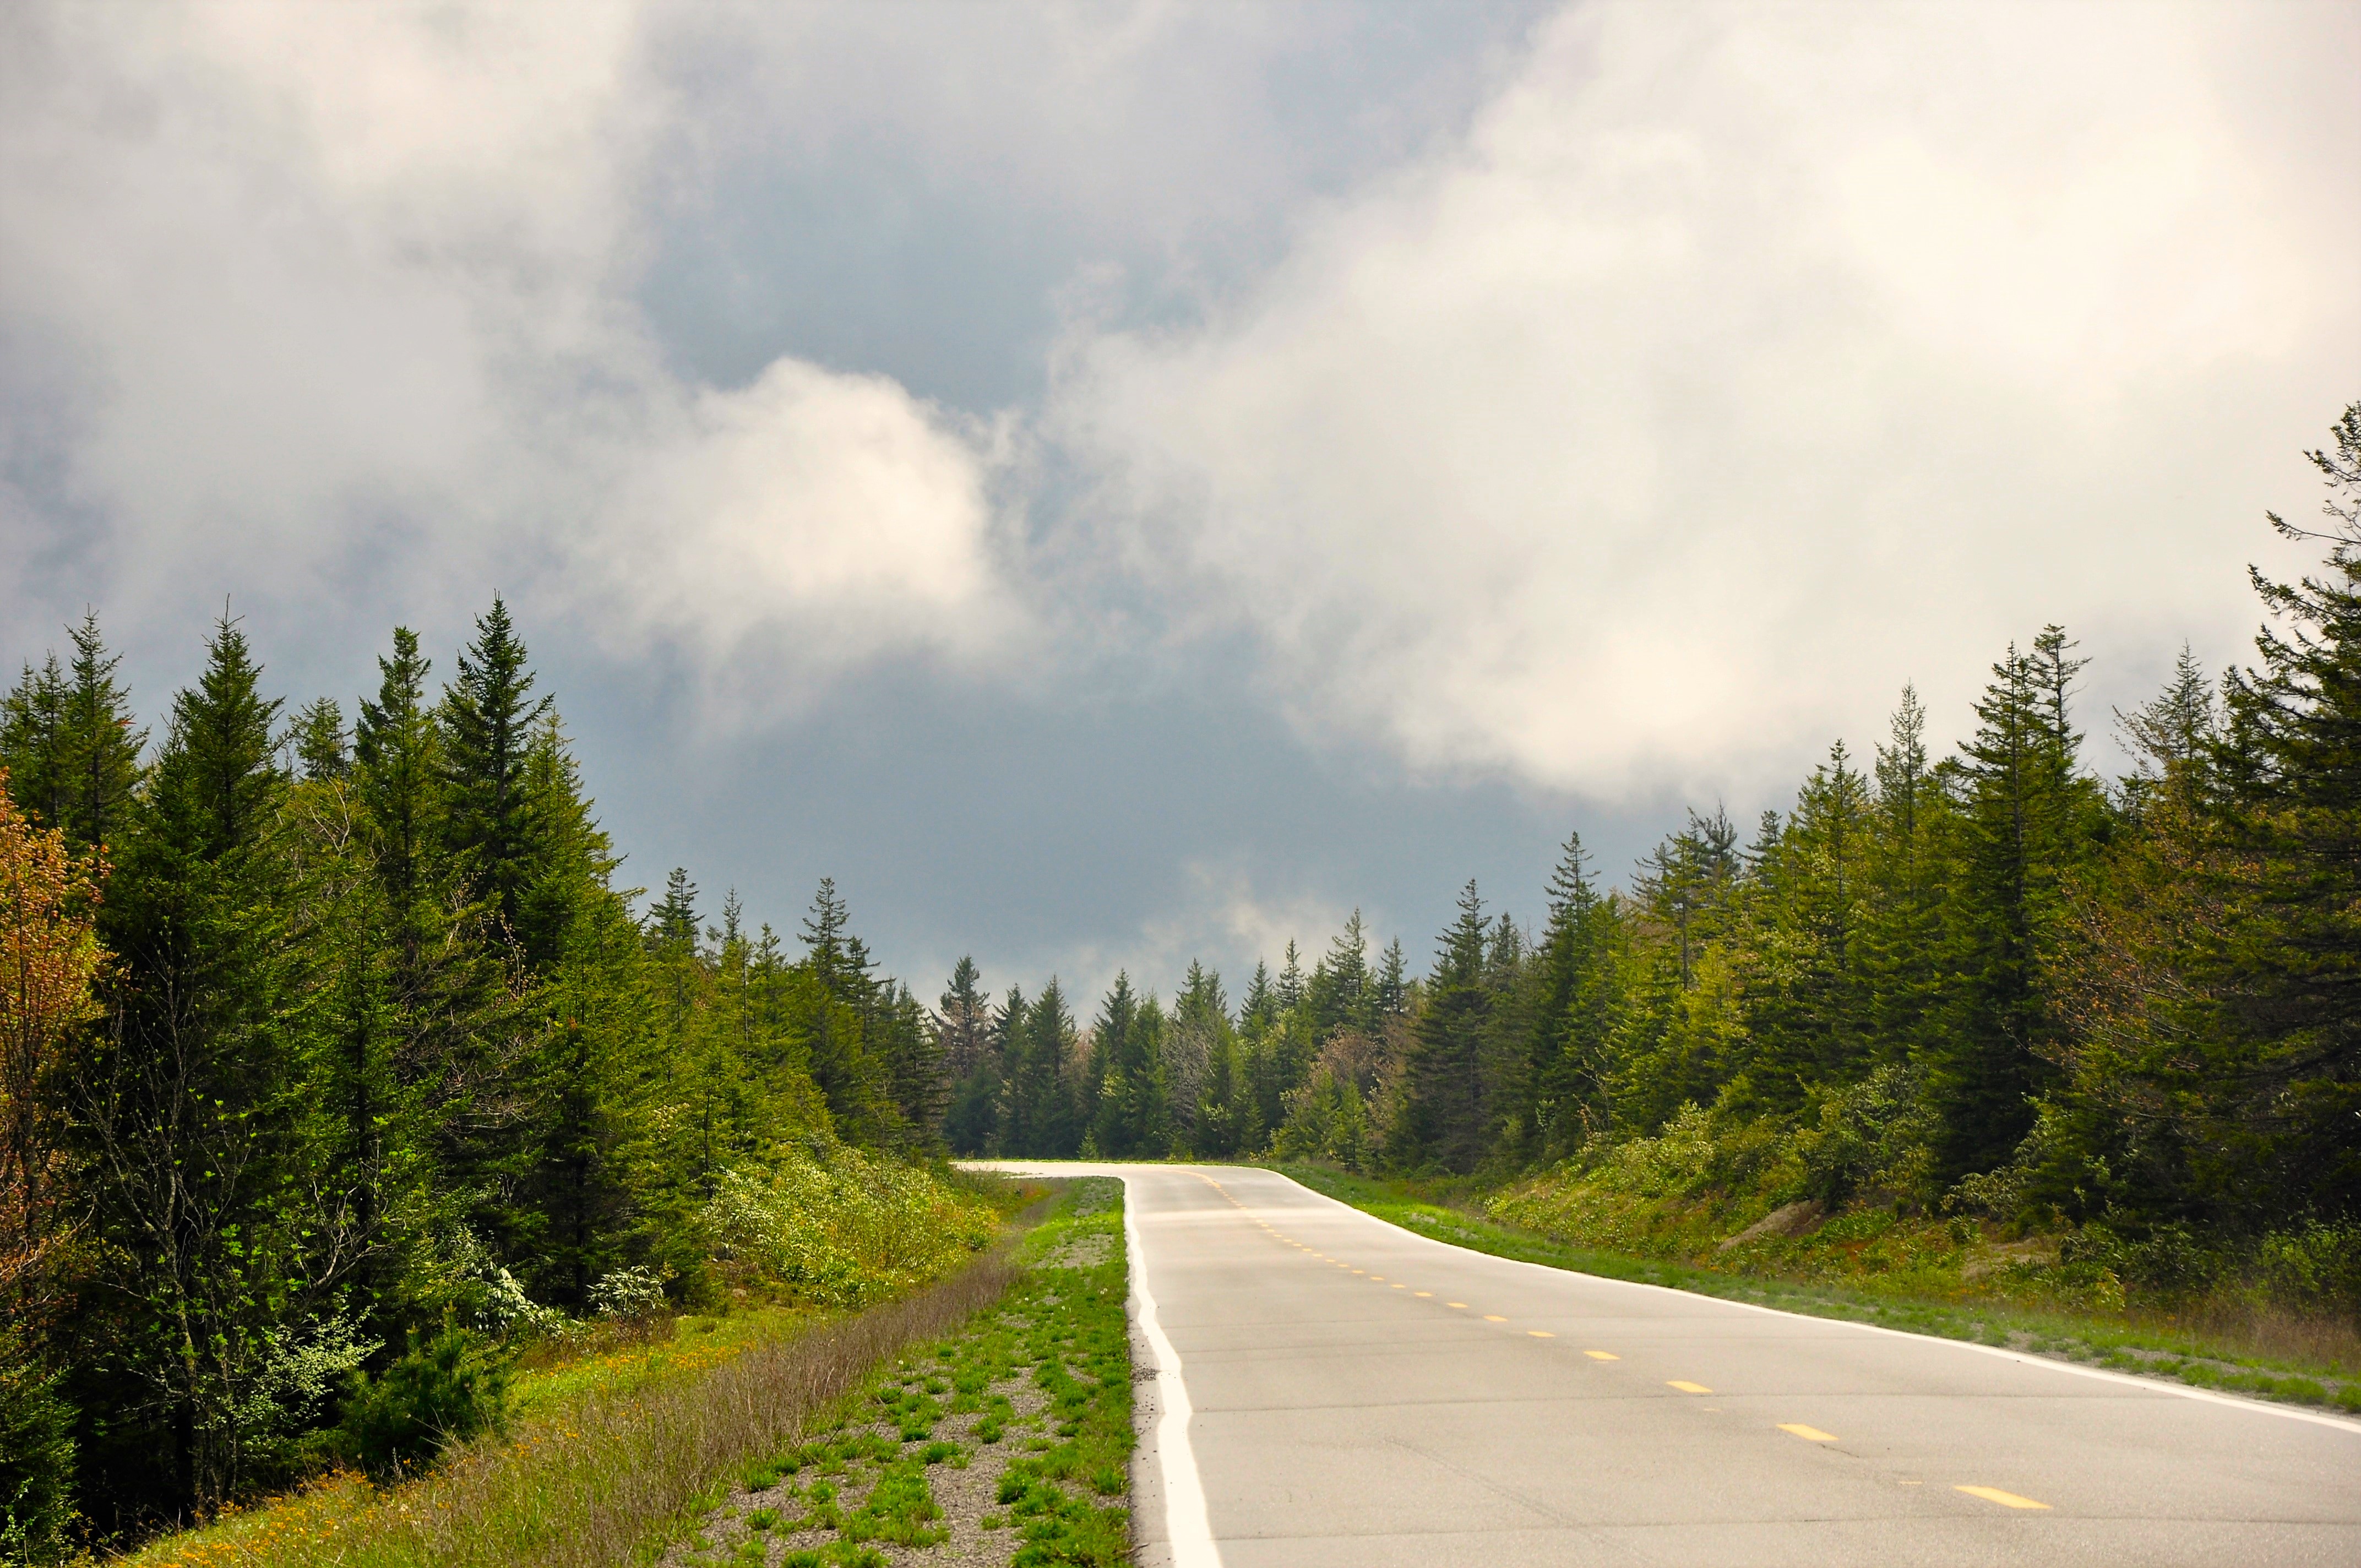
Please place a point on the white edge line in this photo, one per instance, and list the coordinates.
(1188, 1528)
(2154, 1385)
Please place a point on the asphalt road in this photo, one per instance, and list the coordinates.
(1343, 1392)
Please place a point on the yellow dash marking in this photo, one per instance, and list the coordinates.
(1602, 1355)
(1494, 1318)
(1397, 1287)
(1461, 1305)
(1378, 1277)
(1423, 1293)
(1541, 1333)
(2005, 1499)
(1689, 1388)
(1809, 1434)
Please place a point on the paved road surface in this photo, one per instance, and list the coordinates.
(1355, 1395)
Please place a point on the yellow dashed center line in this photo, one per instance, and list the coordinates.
(1541, 1333)
(1689, 1388)
(1602, 1355)
(1399, 1288)
(1461, 1305)
(2005, 1499)
(1426, 1293)
(1494, 1318)
(1809, 1434)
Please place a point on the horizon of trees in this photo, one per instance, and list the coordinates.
(317, 1029)
(1989, 979)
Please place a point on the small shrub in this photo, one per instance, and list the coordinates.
(629, 1295)
(442, 1391)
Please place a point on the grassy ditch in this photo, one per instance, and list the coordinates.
(1006, 1440)
(604, 1451)
(1921, 1299)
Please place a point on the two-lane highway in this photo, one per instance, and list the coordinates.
(1358, 1395)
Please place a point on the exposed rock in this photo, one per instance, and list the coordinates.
(1792, 1220)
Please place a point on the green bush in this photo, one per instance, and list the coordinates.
(442, 1391)
(36, 1451)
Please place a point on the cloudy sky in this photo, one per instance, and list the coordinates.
(1114, 482)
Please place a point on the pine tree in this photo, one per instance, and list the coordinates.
(1446, 1113)
(1339, 993)
(1572, 1012)
(398, 769)
(33, 745)
(1392, 986)
(673, 921)
(102, 741)
(318, 738)
(1127, 1075)
(487, 718)
(2290, 972)
(2027, 824)
(192, 1101)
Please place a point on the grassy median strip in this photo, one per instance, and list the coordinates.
(603, 1454)
(1006, 1440)
(2187, 1355)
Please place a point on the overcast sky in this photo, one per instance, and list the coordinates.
(1111, 482)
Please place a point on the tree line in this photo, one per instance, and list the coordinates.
(1987, 978)
(318, 1028)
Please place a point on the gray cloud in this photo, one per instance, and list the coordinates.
(1742, 361)
(1117, 481)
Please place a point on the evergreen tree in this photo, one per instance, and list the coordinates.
(2288, 972)
(2027, 824)
(318, 738)
(102, 743)
(1446, 1115)
(1128, 1072)
(673, 921)
(487, 718)
(33, 745)
(193, 1110)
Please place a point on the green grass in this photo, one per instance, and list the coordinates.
(2120, 1342)
(865, 1481)
(604, 1452)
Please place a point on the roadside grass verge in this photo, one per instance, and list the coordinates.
(2194, 1352)
(1007, 1438)
(602, 1453)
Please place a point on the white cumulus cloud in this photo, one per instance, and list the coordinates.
(337, 300)
(1742, 361)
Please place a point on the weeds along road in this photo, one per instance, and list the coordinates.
(1350, 1395)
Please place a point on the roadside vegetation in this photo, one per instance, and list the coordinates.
(609, 1436)
(342, 1087)
(1006, 1440)
(1974, 1025)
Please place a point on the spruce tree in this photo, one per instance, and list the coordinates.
(2027, 823)
(193, 1106)
(1446, 1113)
(2288, 972)
(33, 744)
(487, 718)
(317, 739)
(102, 742)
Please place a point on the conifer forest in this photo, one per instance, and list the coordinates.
(331, 1043)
